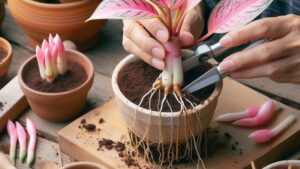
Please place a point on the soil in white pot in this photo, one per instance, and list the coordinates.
(137, 78)
(285, 167)
(73, 78)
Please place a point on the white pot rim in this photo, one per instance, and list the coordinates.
(295, 163)
(126, 101)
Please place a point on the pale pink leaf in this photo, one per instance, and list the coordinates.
(124, 9)
(232, 14)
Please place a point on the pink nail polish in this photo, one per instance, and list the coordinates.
(227, 65)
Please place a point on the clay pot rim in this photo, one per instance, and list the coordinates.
(118, 92)
(295, 163)
(77, 164)
(79, 54)
(8, 49)
(54, 5)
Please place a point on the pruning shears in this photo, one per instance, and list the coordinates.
(202, 54)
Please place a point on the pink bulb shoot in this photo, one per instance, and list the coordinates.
(229, 117)
(264, 136)
(51, 58)
(12, 132)
(22, 141)
(264, 114)
(31, 129)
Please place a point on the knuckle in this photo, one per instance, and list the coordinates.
(266, 53)
(128, 30)
(127, 45)
(152, 25)
(264, 26)
(273, 70)
(295, 23)
(146, 45)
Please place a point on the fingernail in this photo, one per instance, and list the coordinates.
(227, 65)
(158, 53)
(162, 35)
(226, 40)
(158, 63)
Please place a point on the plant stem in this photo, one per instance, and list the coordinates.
(172, 76)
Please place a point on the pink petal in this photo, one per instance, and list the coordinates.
(51, 41)
(59, 45)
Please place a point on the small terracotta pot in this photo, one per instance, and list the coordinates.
(38, 19)
(139, 128)
(293, 163)
(6, 62)
(60, 106)
(84, 165)
(2, 11)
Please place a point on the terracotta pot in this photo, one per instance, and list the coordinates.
(84, 165)
(38, 19)
(2, 11)
(294, 163)
(205, 113)
(60, 106)
(6, 62)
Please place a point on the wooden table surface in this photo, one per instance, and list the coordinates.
(105, 56)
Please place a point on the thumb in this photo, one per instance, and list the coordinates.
(192, 27)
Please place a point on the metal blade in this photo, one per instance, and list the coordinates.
(210, 77)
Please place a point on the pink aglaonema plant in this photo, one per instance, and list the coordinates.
(31, 129)
(22, 136)
(228, 15)
(12, 132)
(51, 58)
(263, 136)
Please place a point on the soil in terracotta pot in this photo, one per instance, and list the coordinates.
(73, 78)
(3, 53)
(136, 79)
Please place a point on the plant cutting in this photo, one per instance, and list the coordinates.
(156, 118)
(56, 80)
(12, 132)
(22, 139)
(31, 129)
(36, 19)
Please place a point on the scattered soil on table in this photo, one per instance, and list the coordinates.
(120, 147)
(74, 77)
(1, 106)
(3, 53)
(89, 127)
(101, 121)
(136, 79)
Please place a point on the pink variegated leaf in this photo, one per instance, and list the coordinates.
(232, 14)
(124, 9)
(174, 4)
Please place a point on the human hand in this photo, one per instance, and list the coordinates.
(144, 38)
(278, 59)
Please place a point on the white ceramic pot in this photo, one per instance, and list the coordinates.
(175, 133)
(293, 163)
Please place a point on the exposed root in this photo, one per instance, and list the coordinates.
(161, 153)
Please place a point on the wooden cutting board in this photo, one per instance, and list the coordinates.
(83, 146)
(13, 102)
